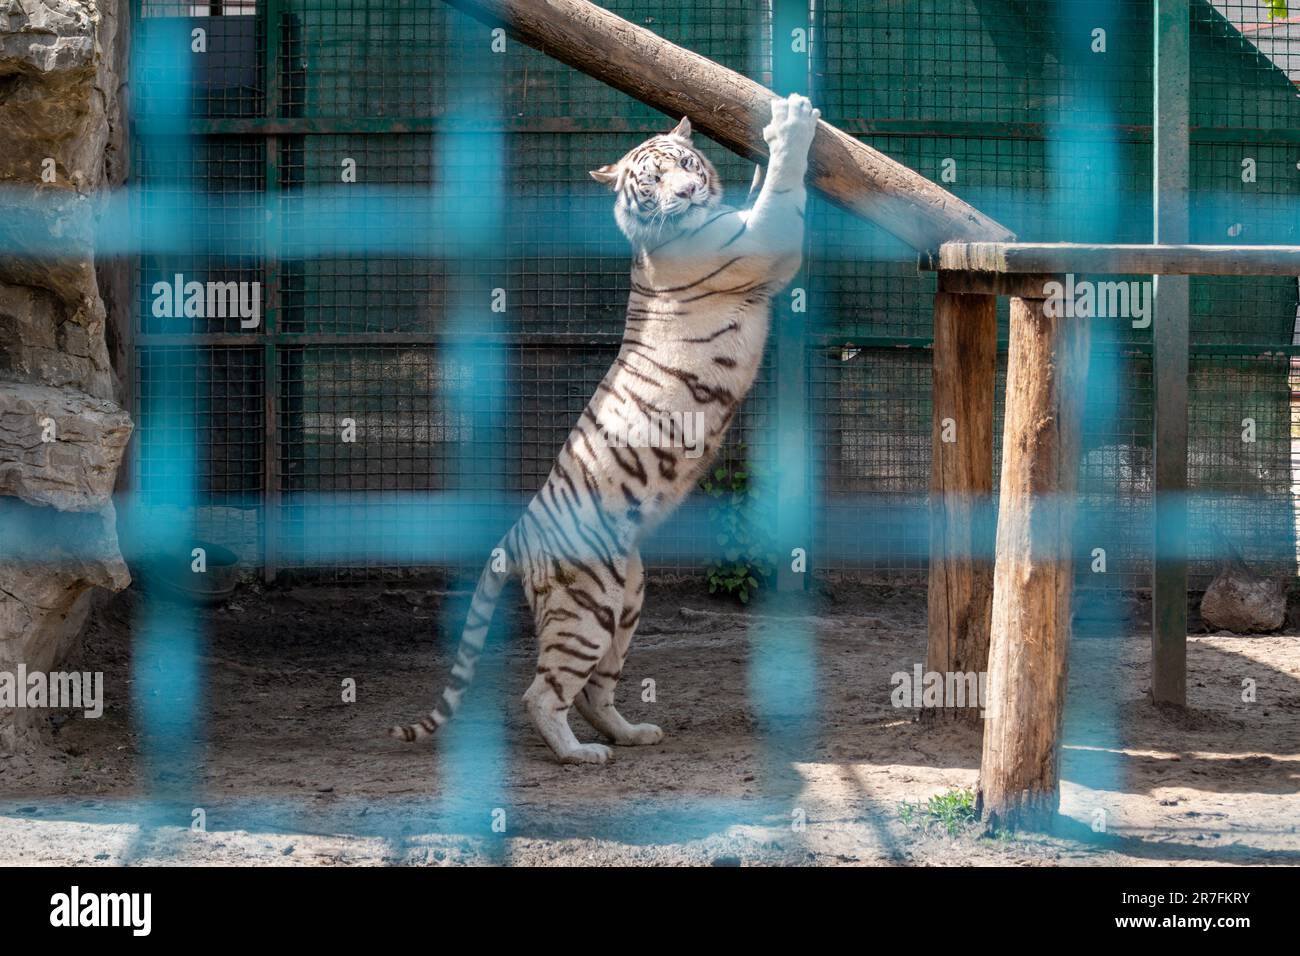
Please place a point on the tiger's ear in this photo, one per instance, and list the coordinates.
(607, 174)
(682, 129)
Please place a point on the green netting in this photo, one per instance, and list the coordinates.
(1040, 114)
(410, 59)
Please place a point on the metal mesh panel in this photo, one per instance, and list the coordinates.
(363, 59)
(366, 433)
(1240, 466)
(1053, 139)
(1245, 189)
(1038, 114)
(871, 428)
(1241, 40)
(203, 221)
(200, 437)
(1116, 466)
(392, 60)
(202, 64)
(984, 61)
(374, 291)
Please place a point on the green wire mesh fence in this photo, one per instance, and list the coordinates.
(1039, 114)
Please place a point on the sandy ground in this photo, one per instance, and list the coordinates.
(287, 773)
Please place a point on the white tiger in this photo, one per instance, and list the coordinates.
(703, 276)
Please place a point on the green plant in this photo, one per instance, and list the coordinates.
(954, 811)
(746, 560)
(907, 812)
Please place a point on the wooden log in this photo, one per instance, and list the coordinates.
(733, 110)
(1117, 259)
(1026, 285)
(961, 492)
(1019, 773)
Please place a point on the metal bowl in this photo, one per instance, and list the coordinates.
(175, 575)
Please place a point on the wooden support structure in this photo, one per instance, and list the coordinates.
(1056, 258)
(1020, 769)
(1033, 578)
(732, 109)
(961, 491)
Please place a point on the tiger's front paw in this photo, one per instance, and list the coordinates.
(793, 125)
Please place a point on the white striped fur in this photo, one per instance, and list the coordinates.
(703, 276)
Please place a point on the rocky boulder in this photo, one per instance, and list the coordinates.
(63, 431)
(62, 448)
(1241, 601)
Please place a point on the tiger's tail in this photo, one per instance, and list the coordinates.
(481, 608)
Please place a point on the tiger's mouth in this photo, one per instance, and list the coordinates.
(667, 213)
(674, 206)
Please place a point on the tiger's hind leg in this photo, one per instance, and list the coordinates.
(596, 700)
(576, 625)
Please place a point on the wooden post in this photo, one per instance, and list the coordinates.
(961, 490)
(1047, 364)
(1170, 335)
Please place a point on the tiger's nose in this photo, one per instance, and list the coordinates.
(684, 192)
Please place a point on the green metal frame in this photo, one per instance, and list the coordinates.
(271, 267)
(1172, 178)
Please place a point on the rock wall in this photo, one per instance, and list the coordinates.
(63, 430)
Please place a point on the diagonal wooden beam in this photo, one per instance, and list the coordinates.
(733, 110)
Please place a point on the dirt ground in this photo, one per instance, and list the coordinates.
(287, 773)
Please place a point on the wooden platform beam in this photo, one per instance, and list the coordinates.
(1117, 259)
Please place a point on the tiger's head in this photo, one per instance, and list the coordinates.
(661, 186)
